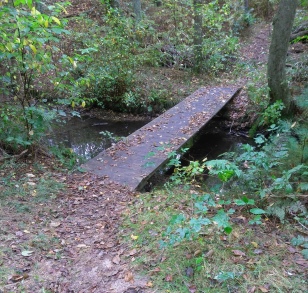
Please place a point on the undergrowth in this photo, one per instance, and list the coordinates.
(196, 238)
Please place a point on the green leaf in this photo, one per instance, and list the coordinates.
(225, 175)
(224, 276)
(56, 20)
(201, 207)
(26, 253)
(196, 224)
(256, 220)
(62, 113)
(33, 48)
(305, 253)
(303, 186)
(239, 202)
(257, 211)
(176, 219)
(183, 232)
(221, 219)
(299, 240)
(228, 230)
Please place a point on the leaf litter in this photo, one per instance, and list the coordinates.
(74, 241)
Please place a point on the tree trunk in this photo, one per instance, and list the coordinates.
(198, 36)
(115, 4)
(137, 10)
(276, 74)
(246, 6)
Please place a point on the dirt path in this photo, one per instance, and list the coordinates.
(87, 255)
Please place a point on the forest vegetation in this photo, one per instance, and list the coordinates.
(246, 232)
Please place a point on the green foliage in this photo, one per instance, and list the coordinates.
(273, 166)
(298, 70)
(302, 103)
(267, 170)
(110, 136)
(184, 174)
(66, 156)
(303, 242)
(182, 228)
(257, 89)
(105, 63)
(22, 128)
(263, 8)
(272, 113)
(224, 169)
(28, 41)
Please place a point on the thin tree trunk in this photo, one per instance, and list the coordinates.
(246, 6)
(137, 10)
(276, 73)
(115, 4)
(198, 36)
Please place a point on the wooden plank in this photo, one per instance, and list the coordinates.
(132, 161)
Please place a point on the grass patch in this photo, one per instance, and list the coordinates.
(253, 258)
(27, 195)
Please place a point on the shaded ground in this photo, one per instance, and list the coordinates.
(68, 244)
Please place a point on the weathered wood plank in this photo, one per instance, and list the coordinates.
(132, 161)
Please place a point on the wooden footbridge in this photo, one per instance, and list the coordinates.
(132, 161)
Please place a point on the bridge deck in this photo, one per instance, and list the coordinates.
(132, 161)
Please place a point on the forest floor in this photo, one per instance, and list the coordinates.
(62, 232)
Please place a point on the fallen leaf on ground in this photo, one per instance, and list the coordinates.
(238, 253)
(18, 278)
(192, 289)
(54, 224)
(189, 272)
(302, 262)
(116, 260)
(209, 253)
(292, 249)
(134, 237)
(197, 253)
(133, 252)
(26, 253)
(263, 289)
(252, 289)
(30, 175)
(82, 246)
(129, 277)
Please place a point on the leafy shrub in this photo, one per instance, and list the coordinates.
(22, 128)
(263, 8)
(275, 165)
(27, 45)
(104, 63)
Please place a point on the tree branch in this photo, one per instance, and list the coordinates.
(16, 157)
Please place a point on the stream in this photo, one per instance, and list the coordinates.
(84, 136)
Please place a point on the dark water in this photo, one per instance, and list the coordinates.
(213, 141)
(83, 134)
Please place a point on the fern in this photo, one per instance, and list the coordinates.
(303, 242)
(301, 102)
(284, 206)
(277, 211)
